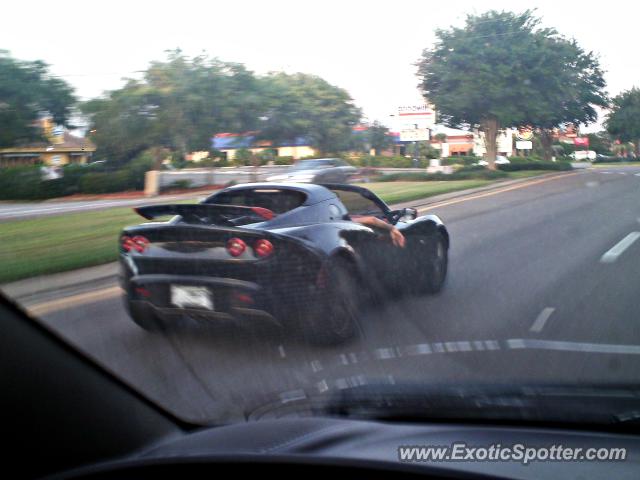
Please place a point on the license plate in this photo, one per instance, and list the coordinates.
(184, 296)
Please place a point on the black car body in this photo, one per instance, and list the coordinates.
(286, 254)
(317, 170)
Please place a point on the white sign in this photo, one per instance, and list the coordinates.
(416, 116)
(524, 145)
(414, 135)
(504, 141)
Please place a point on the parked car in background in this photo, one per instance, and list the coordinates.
(583, 155)
(319, 170)
(500, 160)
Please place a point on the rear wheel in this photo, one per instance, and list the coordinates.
(433, 264)
(337, 319)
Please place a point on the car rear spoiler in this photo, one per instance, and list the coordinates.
(212, 213)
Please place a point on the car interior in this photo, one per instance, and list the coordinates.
(64, 416)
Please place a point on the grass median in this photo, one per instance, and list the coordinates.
(46, 245)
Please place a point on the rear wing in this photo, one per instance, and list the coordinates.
(210, 214)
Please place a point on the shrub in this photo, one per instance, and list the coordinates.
(470, 173)
(283, 160)
(515, 166)
(102, 182)
(180, 184)
(387, 162)
(601, 159)
(463, 160)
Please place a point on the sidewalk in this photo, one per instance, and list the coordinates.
(38, 289)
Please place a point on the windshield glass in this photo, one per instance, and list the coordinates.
(168, 203)
(277, 201)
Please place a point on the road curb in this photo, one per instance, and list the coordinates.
(37, 289)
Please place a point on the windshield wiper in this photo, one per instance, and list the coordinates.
(584, 404)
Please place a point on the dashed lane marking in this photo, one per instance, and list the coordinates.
(541, 320)
(618, 249)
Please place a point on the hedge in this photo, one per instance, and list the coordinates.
(26, 183)
(469, 173)
(387, 162)
(515, 166)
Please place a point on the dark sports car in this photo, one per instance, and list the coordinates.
(286, 254)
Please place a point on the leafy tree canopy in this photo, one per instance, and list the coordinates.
(28, 90)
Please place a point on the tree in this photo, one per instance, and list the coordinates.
(600, 142)
(500, 70)
(378, 137)
(570, 86)
(623, 122)
(28, 90)
(179, 104)
(301, 105)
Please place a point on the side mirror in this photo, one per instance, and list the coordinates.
(408, 214)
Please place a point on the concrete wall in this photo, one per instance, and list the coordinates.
(202, 177)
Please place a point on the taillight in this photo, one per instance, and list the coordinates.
(126, 243)
(137, 243)
(236, 247)
(263, 248)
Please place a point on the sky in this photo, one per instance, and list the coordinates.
(367, 47)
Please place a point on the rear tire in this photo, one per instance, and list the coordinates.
(337, 320)
(432, 270)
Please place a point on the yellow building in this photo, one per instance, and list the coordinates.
(230, 143)
(62, 148)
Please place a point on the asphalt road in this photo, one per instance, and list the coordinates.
(542, 286)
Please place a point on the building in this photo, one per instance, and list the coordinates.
(62, 148)
(230, 143)
(457, 142)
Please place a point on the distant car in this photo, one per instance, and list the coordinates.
(97, 163)
(283, 254)
(319, 170)
(605, 158)
(583, 155)
(500, 160)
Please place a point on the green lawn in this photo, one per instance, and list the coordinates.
(396, 192)
(60, 243)
(616, 164)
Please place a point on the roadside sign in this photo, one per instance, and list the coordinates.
(524, 134)
(524, 145)
(416, 116)
(414, 135)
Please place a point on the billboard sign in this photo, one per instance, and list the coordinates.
(414, 135)
(416, 116)
(524, 134)
(524, 145)
(581, 141)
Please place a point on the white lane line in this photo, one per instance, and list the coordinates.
(618, 249)
(532, 343)
(539, 323)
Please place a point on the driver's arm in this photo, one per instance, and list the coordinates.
(396, 236)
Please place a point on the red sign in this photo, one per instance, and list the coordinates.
(581, 141)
